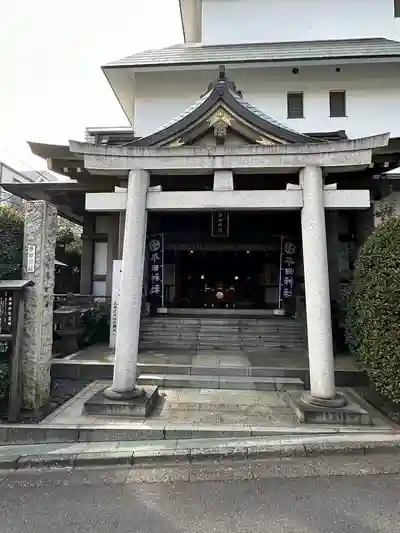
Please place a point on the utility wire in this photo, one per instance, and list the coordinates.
(26, 164)
(9, 199)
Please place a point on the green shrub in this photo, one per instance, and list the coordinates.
(11, 242)
(373, 308)
(68, 247)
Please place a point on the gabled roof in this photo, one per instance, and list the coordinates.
(196, 54)
(223, 108)
(15, 284)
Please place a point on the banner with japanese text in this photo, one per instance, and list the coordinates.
(155, 253)
(288, 268)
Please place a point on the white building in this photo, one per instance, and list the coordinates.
(347, 48)
(271, 113)
(9, 175)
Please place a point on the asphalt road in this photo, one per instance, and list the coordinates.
(113, 500)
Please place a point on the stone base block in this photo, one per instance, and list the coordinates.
(140, 407)
(351, 414)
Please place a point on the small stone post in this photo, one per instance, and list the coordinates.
(38, 266)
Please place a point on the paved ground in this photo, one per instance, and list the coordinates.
(278, 358)
(213, 406)
(218, 407)
(292, 496)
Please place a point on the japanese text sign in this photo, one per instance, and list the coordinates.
(155, 253)
(288, 268)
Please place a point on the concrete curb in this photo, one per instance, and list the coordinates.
(48, 433)
(223, 451)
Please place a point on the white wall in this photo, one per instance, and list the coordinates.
(234, 21)
(373, 96)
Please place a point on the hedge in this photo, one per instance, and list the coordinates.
(68, 246)
(11, 242)
(373, 309)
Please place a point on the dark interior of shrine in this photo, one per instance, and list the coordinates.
(234, 265)
(225, 279)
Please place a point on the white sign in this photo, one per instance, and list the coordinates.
(116, 288)
(31, 259)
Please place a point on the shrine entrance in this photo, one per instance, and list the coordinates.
(191, 266)
(245, 279)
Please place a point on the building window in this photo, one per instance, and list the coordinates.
(337, 103)
(295, 105)
(397, 8)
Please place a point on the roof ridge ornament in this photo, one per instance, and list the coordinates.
(222, 73)
(223, 83)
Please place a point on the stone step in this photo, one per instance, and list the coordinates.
(218, 347)
(254, 341)
(221, 382)
(170, 328)
(154, 345)
(224, 329)
(222, 321)
(221, 370)
(216, 322)
(295, 336)
(160, 346)
(71, 372)
(170, 335)
(276, 339)
(220, 333)
(225, 338)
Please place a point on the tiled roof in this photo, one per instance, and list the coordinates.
(250, 107)
(257, 111)
(223, 91)
(192, 54)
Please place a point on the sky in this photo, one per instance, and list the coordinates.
(51, 83)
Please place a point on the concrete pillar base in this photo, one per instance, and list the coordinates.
(139, 403)
(312, 401)
(344, 409)
(114, 395)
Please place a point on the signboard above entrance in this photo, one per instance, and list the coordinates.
(220, 224)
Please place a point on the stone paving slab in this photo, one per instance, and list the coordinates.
(213, 406)
(182, 414)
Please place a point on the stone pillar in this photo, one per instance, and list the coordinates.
(332, 229)
(128, 325)
(316, 279)
(38, 266)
